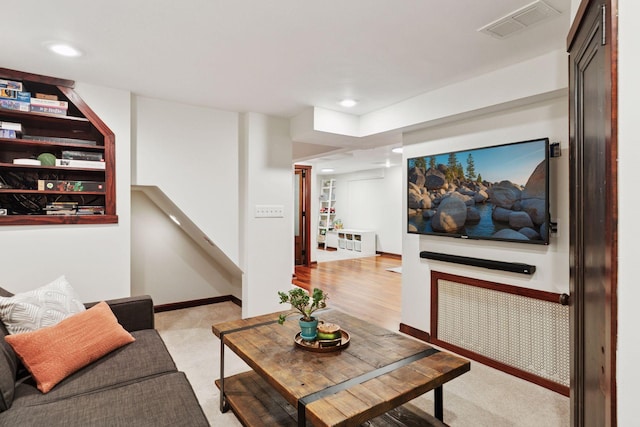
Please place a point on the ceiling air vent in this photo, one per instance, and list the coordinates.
(520, 19)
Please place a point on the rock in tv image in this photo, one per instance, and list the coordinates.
(499, 192)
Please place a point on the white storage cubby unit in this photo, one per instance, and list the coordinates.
(332, 239)
(327, 210)
(362, 241)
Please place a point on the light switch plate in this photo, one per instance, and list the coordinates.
(269, 211)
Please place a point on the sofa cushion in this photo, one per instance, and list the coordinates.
(134, 313)
(51, 354)
(146, 357)
(45, 306)
(8, 370)
(165, 400)
(8, 365)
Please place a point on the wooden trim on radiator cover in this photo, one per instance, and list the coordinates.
(415, 332)
(531, 293)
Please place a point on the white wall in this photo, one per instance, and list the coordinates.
(267, 243)
(538, 77)
(166, 263)
(372, 200)
(95, 258)
(191, 154)
(628, 374)
(543, 119)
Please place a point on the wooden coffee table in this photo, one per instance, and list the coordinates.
(378, 371)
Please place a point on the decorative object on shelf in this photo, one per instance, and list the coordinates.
(47, 159)
(308, 329)
(328, 331)
(324, 346)
(306, 305)
(62, 185)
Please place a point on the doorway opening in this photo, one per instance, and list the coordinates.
(301, 222)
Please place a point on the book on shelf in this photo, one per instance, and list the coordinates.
(8, 93)
(61, 208)
(90, 210)
(49, 110)
(71, 186)
(24, 161)
(41, 95)
(12, 104)
(10, 84)
(72, 208)
(8, 133)
(88, 164)
(11, 126)
(59, 139)
(62, 205)
(43, 102)
(24, 97)
(62, 212)
(82, 155)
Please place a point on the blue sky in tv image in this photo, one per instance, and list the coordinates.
(513, 162)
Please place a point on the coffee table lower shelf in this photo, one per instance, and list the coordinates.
(255, 403)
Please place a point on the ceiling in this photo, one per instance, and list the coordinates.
(275, 57)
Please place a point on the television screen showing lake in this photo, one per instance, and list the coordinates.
(497, 193)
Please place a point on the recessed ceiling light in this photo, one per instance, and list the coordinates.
(64, 50)
(348, 103)
(397, 150)
(327, 170)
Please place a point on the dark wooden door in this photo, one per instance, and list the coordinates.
(593, 215)
(302, 205)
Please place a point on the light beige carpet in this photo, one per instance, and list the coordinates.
(481, 397)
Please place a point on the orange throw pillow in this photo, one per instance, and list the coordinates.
(53, 353)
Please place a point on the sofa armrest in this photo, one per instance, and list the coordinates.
(133, 313)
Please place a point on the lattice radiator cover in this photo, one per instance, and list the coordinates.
(525, 333)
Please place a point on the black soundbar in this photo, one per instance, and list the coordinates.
(514, 267)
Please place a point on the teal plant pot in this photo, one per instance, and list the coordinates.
(309, 330)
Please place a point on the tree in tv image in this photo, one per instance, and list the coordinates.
(497, 193)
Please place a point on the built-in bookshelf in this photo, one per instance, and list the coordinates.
(57, 157)
(327, 210)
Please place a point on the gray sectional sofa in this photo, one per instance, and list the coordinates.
(135, 385)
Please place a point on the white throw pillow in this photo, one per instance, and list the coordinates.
(45, 306)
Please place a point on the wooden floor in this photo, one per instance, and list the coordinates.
(362, 287)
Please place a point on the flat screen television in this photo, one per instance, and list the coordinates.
(499, 192)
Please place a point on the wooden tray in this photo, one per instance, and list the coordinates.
(324, 346)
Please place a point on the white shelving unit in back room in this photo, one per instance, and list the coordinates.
(327, 211)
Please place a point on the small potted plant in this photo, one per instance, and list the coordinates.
(305, 305)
